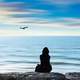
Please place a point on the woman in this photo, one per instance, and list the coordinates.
(44, 65)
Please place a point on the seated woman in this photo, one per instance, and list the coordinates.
(44, 65)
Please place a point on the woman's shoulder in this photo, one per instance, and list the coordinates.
(44, 55)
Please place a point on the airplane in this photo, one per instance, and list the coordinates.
(23, 28)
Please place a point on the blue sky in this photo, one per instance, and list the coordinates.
(44, 17)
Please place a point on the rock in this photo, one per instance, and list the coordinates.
(46, 76)
(12, 78)
(73, 76)
(32, 76)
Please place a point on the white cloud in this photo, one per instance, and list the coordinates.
(71, 22)
(59, 26)
(42, 29)
(37, 33)
(8, 9)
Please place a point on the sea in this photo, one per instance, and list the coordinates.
(22, 53)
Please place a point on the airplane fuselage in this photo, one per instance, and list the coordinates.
(23, 28)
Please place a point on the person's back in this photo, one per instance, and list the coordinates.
(45, 65)
(45, 59)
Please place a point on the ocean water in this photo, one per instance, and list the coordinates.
(21, 54)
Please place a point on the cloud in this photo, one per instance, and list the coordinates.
(18, 13)
(63, 2)
(38, 33)
(41, 27)
(12, 4)
(19, 7)
(71, 22)
(63, 5)
(10, 9)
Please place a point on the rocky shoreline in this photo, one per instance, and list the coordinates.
(40, 76)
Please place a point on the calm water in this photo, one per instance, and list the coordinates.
(22, 53)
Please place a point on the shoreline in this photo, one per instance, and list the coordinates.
(39, 76)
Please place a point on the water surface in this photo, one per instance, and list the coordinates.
(22, 53)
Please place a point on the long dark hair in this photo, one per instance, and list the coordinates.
(45, 51)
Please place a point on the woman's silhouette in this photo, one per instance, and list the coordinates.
(44, 65)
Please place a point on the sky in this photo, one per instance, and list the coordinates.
(43, 17)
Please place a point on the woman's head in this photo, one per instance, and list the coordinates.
(45, 51)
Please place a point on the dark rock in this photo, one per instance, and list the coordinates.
(32, 76)
(12, 78)
(73, 76)
(58, 76)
